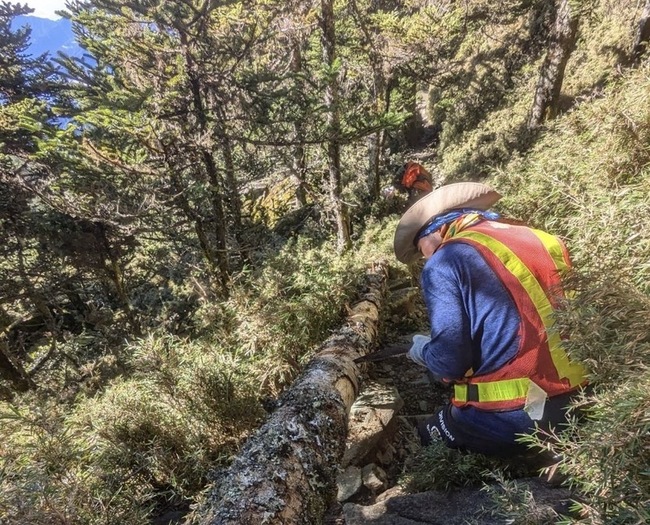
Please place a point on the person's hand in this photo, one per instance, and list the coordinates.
(415, 353)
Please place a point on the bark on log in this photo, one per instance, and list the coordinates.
(286, 472)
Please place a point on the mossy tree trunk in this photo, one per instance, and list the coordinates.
(286, 473)
(549, 85)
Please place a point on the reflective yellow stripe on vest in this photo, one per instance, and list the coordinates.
(572, 371)
(505, 390)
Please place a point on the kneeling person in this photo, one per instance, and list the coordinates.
(491, 288)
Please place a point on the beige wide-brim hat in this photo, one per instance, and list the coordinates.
(446, 198)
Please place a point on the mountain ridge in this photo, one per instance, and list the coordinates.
(49, 36)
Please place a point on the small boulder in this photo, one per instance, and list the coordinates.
(371, 422)
(348, 483)
(374, 478)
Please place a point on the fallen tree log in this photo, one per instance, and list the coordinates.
(286, 472)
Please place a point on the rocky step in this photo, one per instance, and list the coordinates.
(380, 438)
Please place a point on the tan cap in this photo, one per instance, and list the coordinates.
(458, 195)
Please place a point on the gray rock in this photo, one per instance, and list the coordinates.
(431, 508)
(459, 507)
(348, 483)
(371, 422)
(374, 478)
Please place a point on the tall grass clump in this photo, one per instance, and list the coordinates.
(588, 179)
(483, 123)
(438, 467)
(484, 126)
(606, 33)
(511, 501)
(142, 446)
(45, 473)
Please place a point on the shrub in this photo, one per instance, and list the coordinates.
(513, 502)
(437, 467)
(48, 474)
(280, 311)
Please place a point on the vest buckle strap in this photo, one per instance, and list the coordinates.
(472, 392)
(492, 391)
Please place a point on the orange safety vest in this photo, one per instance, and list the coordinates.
(530, 264)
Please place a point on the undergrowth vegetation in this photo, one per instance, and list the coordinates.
(147, 439)
(156, 413)
(439, 467)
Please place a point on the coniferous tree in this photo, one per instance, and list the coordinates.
(24, 119)
(163, 67)
(374, 43)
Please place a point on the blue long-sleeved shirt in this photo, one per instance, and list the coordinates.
(474, 321)
(474, 326)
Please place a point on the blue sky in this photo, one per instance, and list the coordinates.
(45, 8)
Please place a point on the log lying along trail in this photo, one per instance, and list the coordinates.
(286, 472)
